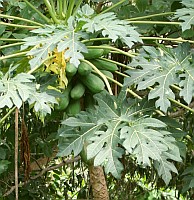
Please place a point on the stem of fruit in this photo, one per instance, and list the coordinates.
(100, 74)
(52, 14)
(112, 48)
(149, 16)
(19, 25)
(37, 11)
(21, 19)
(113, 6)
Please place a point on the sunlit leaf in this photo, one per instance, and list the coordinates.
(157, 70)
(186, 14)
(110, 130)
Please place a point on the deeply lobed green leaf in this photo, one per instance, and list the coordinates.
(159, 69)
(111, 129)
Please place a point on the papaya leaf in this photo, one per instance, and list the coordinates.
(73, 47)
(186, 14)
(160, 69)
(110, 130)
(22, 88)
(112, 27)
(47, 39)
(187, 83)
(74, 132)
(42, 103)
(16, 90)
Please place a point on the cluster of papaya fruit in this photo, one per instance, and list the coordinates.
(83, 81)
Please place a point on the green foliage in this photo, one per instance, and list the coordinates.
(61, 37)
(109, 25)
(21, 88)
(1, 1)
(127, 137)
(186, 14)
(107, 126)
(68, 37)
(3, 165)
(160, 69)
(188, 179)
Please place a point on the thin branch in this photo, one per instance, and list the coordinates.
(181, 111)
(56, 167)
(65, 162)
(16, 153)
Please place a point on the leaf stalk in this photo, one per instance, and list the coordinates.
(37, 11)
(21, 19)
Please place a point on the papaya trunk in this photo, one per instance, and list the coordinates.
(98, 183)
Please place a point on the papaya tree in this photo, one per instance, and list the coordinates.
(102, 87)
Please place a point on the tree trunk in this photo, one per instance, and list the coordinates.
(98, 183)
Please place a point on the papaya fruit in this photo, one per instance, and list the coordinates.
(70, 69)
(93, 53)
(102, 64)
(77, 91)
(89, 101)
(64, 99)
(106, 51)
(107, 73)
(93, 83)
(74, 107)
(84, 69)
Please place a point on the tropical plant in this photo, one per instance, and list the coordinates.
(92, 93)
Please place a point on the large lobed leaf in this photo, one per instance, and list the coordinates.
(62, 38)
(112, 27)
(21, 88)
(15, 90)
(112, 128)
(186, 14)
(158, 69)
